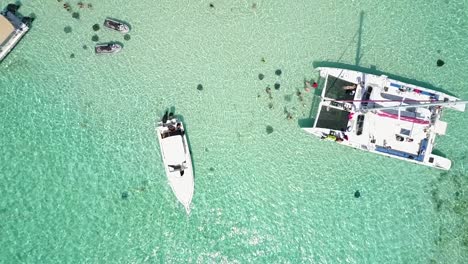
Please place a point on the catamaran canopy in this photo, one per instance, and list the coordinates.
(6, 29)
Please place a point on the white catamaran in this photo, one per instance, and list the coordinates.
(176, 158)
(381, 115)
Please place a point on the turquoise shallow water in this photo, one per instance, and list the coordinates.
(77, 133)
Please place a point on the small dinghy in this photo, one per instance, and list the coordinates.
(116, 25)
(107, 48)
(176, 158)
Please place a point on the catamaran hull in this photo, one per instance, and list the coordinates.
(440, 163)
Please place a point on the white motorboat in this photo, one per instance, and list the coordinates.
(12, 28)
(176, 158)
(381, 115)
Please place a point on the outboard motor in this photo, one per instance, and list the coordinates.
(12, 8)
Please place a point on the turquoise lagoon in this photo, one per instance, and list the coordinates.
(81, 174)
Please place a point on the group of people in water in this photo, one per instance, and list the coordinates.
(308, 86)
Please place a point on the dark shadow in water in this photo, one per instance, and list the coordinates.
(358, 57)
(306, 122)
(14, 9)
(439, 153)
(172, 110)
(96, 27)
(358, 34)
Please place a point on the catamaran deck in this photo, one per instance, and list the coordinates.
(385, 132)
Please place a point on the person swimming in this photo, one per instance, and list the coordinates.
(299, 95)
(350, 87)
(268, 91)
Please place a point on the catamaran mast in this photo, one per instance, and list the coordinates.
(436, 103)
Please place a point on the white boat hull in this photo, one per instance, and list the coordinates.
(177, 160)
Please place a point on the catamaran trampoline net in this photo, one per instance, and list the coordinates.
(332, 118)
(335, 89)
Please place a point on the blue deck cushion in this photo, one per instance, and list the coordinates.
(421, 152)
